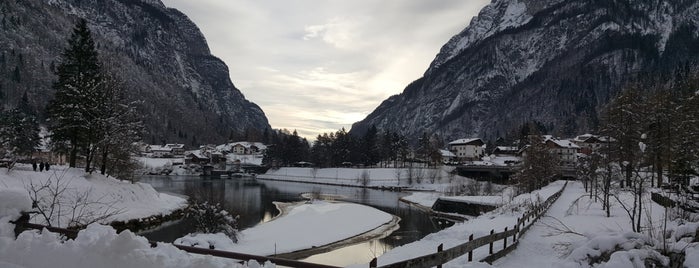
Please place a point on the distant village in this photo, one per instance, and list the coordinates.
(470, 154)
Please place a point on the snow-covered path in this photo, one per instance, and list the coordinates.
(549, 241)
(536, 248)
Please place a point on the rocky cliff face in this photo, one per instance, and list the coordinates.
(162, 56)
(554, 61)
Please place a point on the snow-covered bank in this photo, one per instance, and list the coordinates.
(576, 229)
(94, 194)
(100, 246)
(505, 216)
(412, 178)
(96, 246)
(303, 226)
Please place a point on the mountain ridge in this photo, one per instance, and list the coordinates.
(555, 62)
(160, 53)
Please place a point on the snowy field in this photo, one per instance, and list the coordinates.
(98, 245)
(572, 231)
(94, 194)
(422, 178)
(575, 228)
(301, 226)
(505, 216)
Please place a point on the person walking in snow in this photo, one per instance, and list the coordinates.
(34, 165)
(47, 165)
(41, 166)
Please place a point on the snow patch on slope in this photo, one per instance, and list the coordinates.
(515, 15)
(493, 18)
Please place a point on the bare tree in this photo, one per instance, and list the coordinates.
(364, 178)
(399, 173)
(57, 204)
(435, 175)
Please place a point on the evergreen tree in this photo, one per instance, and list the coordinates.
(72, 110)
(371, 154)
(539, 166)
(19, 133)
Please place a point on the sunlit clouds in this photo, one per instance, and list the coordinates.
(317, 66)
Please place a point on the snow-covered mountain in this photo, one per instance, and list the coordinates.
(554, 61)
(162, 55)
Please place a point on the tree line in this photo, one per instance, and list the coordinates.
(654, 128)
(336, 149)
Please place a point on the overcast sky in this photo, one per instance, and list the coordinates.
(319, 65)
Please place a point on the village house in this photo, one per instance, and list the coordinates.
(467, 149)
(565, 150)
(243, 148)
(196, 157)
(447, 156)
(506, 151)
(167, 151)
(589, 143)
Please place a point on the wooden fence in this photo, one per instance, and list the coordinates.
(442, 256)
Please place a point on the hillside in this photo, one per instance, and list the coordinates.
(552, 61)
(161, 54)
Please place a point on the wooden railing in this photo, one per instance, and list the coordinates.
(23, 224)
(443, 256)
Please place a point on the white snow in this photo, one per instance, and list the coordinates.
(377, 177)
(546, 246)
(304, 226)
(129, 200)
(505, 216)
(515, 15)
(482, 200)
(99, 246)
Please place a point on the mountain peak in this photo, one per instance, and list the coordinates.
(552, 61)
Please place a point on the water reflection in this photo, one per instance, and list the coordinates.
(253, 201)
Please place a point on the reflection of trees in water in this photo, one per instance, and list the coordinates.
(253, 199)
(212, 191)
(248, 199)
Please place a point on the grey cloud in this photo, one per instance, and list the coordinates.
(361, 52)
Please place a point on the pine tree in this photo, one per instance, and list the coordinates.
(539, 166)
(19, 133)
(72, 110)
(371, 149)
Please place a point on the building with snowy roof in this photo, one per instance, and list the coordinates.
(467, 149)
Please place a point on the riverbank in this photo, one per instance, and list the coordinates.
(97, 245)
(413, 179)
(93, 197)
(304, 229)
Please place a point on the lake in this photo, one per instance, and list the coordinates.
(253, 201)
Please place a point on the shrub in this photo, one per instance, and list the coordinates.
(210, 218)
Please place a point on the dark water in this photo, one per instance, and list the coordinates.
(253, 201)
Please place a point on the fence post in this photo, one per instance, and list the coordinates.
(373, 263)
(20, 223)
(470, 253)
(491, 243)
(504, 245)
(440, 248)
